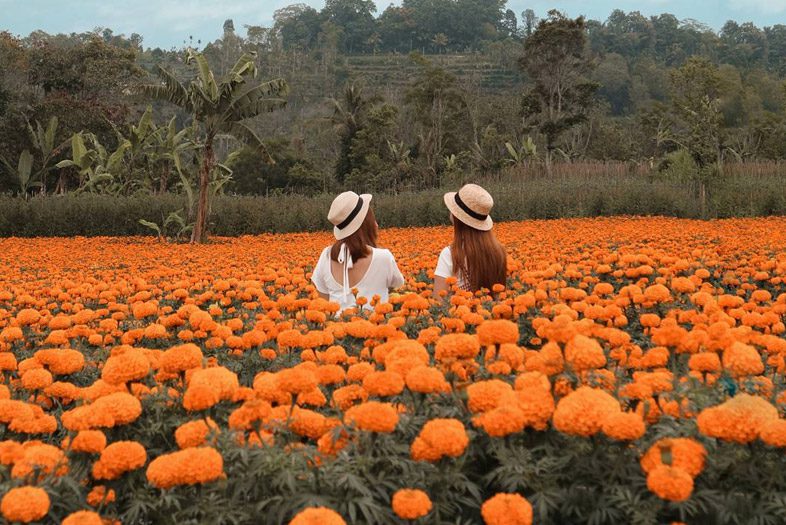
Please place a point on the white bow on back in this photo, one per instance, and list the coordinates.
(345, 259)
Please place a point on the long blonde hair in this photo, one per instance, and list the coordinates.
(478, 257)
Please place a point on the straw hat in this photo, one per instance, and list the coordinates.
(348, 212)
(471, 205)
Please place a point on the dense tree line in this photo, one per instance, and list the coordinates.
(416, 95)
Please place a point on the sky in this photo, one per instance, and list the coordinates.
(167, 23)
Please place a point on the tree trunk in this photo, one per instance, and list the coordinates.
(548, 162)
(199, 234)
(162, 187)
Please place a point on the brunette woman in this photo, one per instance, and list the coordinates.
(354, 261)
(475, 257)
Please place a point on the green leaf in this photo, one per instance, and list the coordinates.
(24, 168)
(153, 226)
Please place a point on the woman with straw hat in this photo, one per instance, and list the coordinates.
(354, 261)
(475, 257)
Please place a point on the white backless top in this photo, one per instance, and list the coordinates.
(382, 275)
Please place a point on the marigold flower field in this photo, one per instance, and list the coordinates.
(631, 372)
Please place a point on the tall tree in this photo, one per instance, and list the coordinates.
(439, 108)
(219, 106)
(556, 60)
(529, 21)
(356, 18)
(348, 117)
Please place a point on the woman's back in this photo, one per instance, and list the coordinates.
(372, 275)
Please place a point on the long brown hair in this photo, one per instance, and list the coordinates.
(478, 257)
(358, 243)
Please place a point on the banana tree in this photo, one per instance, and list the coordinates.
(97, 169)
(138, 141)
(519, 153)
(219, 107)
(167, 150)
(23, 172)
(43, 140)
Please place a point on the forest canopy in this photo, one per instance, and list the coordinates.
(411, 96)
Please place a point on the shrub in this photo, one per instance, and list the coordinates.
(517, 197)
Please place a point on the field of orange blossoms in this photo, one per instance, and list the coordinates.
(631, 372)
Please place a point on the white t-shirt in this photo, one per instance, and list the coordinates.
(382, 274)
(445, 268)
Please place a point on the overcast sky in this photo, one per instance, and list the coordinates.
(166, 23)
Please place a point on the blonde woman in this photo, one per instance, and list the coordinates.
(354, 261)
(475, 257)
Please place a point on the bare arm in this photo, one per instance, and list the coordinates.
(440, 285)
(324, 296)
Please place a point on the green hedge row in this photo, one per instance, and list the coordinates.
(535, 198)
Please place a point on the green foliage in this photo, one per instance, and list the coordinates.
(555, 58)
(174, 225)
(517, 196)
(218, 106)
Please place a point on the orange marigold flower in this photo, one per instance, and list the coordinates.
(383, 384)
(186, 467)
(296, 380)
(684, 453)
(181, 358)
(440, 438)
(742, 360)
(406, 355)
(130, 364)
(46, 459)
(220, 379)
(100, 495)
(346, 396)
(410, 504)
(457, 346)
(307, 423)
(498, 332)
(657, 293)
(118, 458)
(122, 406)
(253, 410)
(332, 442)
(358, 371)
(25, 504)
(27, 317)
(537, 405)
(10, 452)
(330, 374)
(11, 409)
(507, 509)
(486, 395)
(427, 380)
(194, 433)
(670, 483)
(200, 397)
(89, 442)
(704, 362)
(584, 353)
(583, 411)
(773, 433)
(624, 426)
(740, 419)
(317, 516)
(83, 517)
(372, 416)
(501, 421)
(61, 361)
(36, 379)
